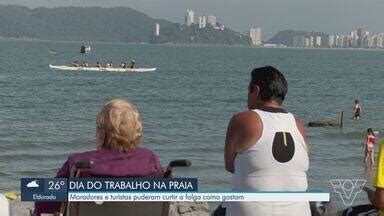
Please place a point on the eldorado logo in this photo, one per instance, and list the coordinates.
(347, 188)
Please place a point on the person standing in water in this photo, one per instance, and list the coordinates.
(376, 196)
(369, 148)
(357, 110)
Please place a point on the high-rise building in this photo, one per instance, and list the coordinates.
(302, 40)
(255, 35)
(299, 41)
(331, 41)
(360, 38)
(318, 41)
(370, 41)
(340, 41)
(348, 42)
(379, 41)
(309, 41)
(202, 21)
(337, 40)
(189, 17)
(295, 41)
(157, 29)
(365, 39)
(212, 20)
(306, 41)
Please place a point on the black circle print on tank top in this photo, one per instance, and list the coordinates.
(283, 147)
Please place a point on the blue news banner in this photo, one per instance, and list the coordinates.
(57, 189)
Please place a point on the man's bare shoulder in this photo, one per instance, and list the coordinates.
(245, 117)
(248, 122)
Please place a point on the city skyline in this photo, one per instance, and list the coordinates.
(333, 16)
(354, 39)
(359, 38)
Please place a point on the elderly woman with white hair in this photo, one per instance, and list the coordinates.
(118, 154)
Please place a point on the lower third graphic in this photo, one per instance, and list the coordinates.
(347, 189)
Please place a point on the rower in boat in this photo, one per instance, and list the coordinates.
(123, 65)
(98, 65)
(73, 68)
(75, 64)
(133, 63)
(108, 65)
(85, 64)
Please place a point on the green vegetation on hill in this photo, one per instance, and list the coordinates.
(82, 24)
(118, 24)
(10, 28)
(193, 35)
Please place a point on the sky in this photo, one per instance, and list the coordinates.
(329, 16)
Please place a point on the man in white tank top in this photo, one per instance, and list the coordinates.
(265, 148)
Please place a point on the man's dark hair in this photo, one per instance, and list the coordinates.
(271, 82)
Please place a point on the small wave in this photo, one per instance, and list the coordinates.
(39, 173)
(349, 134)
(350, 157)
(17, 156)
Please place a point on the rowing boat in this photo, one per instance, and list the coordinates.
(103, 69)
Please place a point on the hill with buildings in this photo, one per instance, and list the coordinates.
(292, 38)
(192, 34)
(97, 24)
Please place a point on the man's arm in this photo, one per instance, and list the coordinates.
(376, 197)
(301, 129)
(244, 130)
(230, 149)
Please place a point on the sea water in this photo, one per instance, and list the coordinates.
(186, 104)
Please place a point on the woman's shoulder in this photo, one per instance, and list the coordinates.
(145, 151)
(105, 153)
(84, 154)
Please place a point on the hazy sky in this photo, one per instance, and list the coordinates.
(330, 16)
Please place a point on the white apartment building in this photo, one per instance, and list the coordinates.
(157, 29)
(189, 17)
(212, 20)
(255, 35)
(202, 21)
